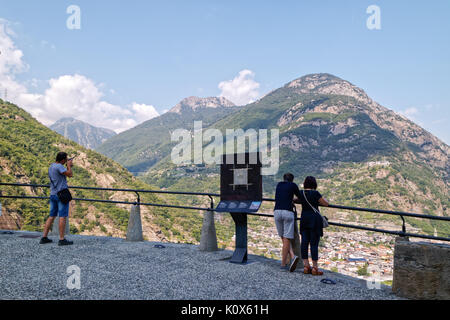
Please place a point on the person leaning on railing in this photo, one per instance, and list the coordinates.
(285, 219)
(311, 224)
(59, 200)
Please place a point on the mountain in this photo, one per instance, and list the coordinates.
(362, 153)
(27, 148)
(139, 148)
(197, 104)
(82, 132)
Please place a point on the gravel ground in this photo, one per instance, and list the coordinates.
(112, 268)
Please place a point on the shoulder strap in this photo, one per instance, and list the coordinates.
(51, 181)
(315, 210)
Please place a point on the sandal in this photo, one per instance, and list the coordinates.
(307, 270)
(316, 272)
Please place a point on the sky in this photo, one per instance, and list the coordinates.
(117, 64)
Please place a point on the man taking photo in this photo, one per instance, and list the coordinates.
(59, 197)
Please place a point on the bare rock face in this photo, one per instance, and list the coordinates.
(421, 270)
(10, 220)
(196, 102)
(323, 83)
(296, 142)
(434, 151)
(341, 127)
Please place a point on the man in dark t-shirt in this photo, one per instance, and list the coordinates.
(284, 195)
(285, 218)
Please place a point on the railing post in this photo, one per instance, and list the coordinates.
(403, 226)
(134, 231)
(208, 240)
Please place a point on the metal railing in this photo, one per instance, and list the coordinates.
(211, 208)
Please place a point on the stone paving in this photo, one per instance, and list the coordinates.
(112, 268)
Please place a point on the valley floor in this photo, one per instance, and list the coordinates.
(112, 268)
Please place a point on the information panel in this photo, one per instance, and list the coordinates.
(240, 183)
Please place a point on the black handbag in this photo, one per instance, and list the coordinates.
(64, 195)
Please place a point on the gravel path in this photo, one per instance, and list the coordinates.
(112, 268)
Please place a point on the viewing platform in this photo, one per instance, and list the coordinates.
(113, 268)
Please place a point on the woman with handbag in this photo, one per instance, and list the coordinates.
(311, 224)
(60, 197)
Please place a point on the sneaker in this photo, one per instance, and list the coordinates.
(45, 240)
(284, 268)
(64, 242)
(293, 264)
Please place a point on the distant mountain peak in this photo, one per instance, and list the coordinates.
(66, 119)
(313, 78)
(197, 102)
(81, 132)
(325, 83)
(328, 84)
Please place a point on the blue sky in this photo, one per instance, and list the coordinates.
(139, 54)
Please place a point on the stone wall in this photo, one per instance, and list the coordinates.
(421, 270)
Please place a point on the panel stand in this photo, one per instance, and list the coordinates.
(240, 251)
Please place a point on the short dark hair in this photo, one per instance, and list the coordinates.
(310, 183)
(288, 177)
(61, 156)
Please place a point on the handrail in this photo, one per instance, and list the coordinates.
(112, 189)
(211, 208)
(398, 213)
(114, 201)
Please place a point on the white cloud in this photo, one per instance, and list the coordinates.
(67, 96)
(79, 97)
(243, 89)
(410, 111)
(144, 111)
(11, 62)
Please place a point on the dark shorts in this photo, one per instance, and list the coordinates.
(57, 208)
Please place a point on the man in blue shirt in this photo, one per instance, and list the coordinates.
(285, 218)
(58, 181)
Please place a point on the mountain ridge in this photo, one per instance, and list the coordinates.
(141, 147)
(82, 132)
(194, 103)
(362, 153)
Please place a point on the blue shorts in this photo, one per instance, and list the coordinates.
(57, 208)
